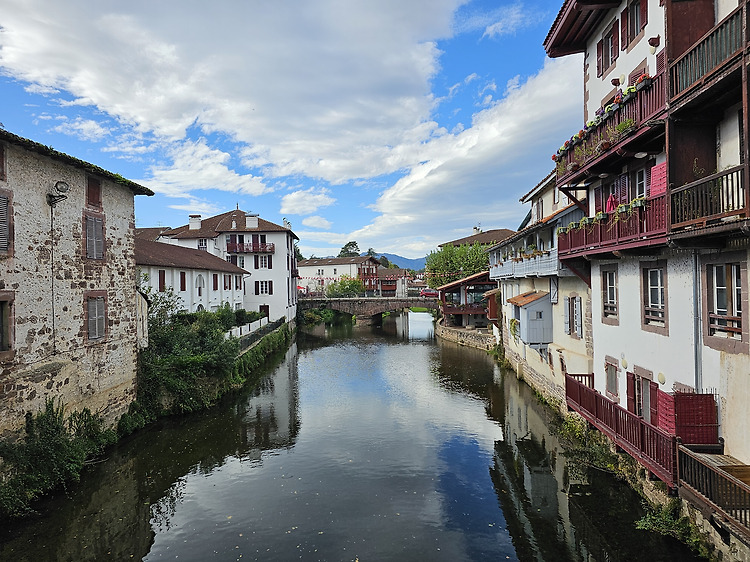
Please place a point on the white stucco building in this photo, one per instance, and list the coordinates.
(316, 274)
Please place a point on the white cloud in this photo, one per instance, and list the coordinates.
(306, 201)
(316, 221)
(83, 129)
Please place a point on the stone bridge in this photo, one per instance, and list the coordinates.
(367, 307)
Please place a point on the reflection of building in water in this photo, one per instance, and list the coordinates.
(270, 417)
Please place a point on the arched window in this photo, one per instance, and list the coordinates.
(199, 284)
(200, 308)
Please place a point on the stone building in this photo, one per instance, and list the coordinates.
(68, 299)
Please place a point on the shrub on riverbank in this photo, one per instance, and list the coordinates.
(51, 454)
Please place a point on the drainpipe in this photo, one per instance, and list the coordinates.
(697, 325)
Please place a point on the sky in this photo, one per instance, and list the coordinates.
(398, 124)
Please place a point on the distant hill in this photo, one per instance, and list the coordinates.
(405, 263)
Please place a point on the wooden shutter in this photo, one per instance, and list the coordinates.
(270, 262)
(666, 412)
(553, 290)
(615, 41)
(96, 319)
(623, 189)
(624, 29)
(183, 282)
(599, 56)
(94, 192)
(257, 287)
(257, 259)
(270, 287)
(94, 238)
(578, 317)
(216, 281)
(644, 13)
(598, 203)
(4, 223)
(162, 280)
(647, 179)
(92, 318)
(566, 312)
(654, 402)
(661, 61)
(631, 392)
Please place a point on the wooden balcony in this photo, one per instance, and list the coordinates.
(538, 265)
(639, 226)
(652, 447)
(713, 198)
(474, 308)
(718, 482)
(612, 133)
(237, 248)
(711, 55)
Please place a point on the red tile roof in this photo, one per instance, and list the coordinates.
(337, 261)
(489, 237)
(159, 254)
(527, 298)
(212, 227)
(481, 276)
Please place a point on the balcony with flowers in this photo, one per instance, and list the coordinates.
(624, 127)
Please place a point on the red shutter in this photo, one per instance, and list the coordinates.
(216, 281)
(624, 28)
(631, 392)
(599, 56)
(654, 402)
(270, 262)
(623, 191)
(615, 41)
(162, 280)
(647, 178)
(183, 283)
(661, 61)
(598, 203)
(666, 412)
(644, 13)
(257, 287)
(270, 287)
(256, 262)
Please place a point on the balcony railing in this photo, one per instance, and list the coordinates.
(651, 446)
(633, 227)
(475, 308)
(710, 198)
(646, 104)
(713, 51)
(722, 490)
(544, 263)
(256, 248)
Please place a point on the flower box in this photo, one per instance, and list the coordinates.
(623, 209)
(601, 216)
(645, 83)
(638, 203)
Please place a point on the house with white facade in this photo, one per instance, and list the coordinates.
(316, 274)
(545, 306)
(251, 243)
(393, 282)
(69, 325)
(202, 281)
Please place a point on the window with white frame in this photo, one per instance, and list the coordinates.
(263, 262)
(654, 299)
(609, 294)
(725, 304)
(202, 244)
(611, 371)
(573, 317)
(241, 261)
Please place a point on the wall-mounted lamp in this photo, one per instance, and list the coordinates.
(61, 188)
(653, 43)
(603, 175)
(640, 155)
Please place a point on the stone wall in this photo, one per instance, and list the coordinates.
(471, 338)
(46, 280)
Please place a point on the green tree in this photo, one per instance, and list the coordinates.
(372, 253)
(451, 263)
(297, 254)
(345, 287)
(349, 250)
(385, 262)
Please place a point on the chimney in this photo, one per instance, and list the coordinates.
(251, 220)
(195, 222)
(477, 230)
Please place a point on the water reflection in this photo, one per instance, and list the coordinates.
(376, 443)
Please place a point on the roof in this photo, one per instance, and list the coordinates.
(160, 254)
(151, 234)
(523, 232)
(540, 186)
(488, 237)
(392, 273)
(525, 299)
(212, 227)
(50, 152)
(467, 280)
(336, 261)
(575, 22)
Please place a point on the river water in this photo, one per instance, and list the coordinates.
(359, 444)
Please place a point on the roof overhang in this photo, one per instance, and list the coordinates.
(574, 24)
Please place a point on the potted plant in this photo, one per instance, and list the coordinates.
(562, 230)
(644, 81)
(572, 226)
(573, 166)
(623, 208)
(638, 202)
(629, 93)
(600, 216)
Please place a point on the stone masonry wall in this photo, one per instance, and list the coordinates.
(48, 271)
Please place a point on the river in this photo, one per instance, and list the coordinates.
(359, 444)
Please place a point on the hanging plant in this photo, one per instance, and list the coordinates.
(514, 327)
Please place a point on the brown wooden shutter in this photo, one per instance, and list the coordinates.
(257, 287)
(598, 203)
(647, 179)
(661, 61)
(93, 192)
(623, 189)
(162, 280)
(644, 13)
(615, 41)
(624, 29)
(666, 412)
(216, 281)
(270, 287)
(631, 392)
(256, 262)
(4, 223)
(183, 283)
(654, 402)
(270, 262)
(599, 56)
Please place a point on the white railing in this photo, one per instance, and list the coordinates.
(238, 331)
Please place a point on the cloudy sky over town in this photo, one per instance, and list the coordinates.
(398, 124)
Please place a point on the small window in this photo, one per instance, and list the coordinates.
(183, 281)
(725, 313)
(94, 192)
(162, 280)
(2, 162)
(611, 369)
(654, 312)
(241, 261)
(94, 237)
(573, 316)
(609, 295)
(216, 281)
(202, 244)
(237, 282)
(264, 287)
(6, 325)
(199, 284)
(96, 318)
(227, 282)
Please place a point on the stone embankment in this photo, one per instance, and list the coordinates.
(472, 338)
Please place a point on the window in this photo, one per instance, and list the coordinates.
(539, 209)
(723, 306)
(642, 395)
(6, 325)
(320, 273)
(263, 262)
(183, 281)
(654, 314)
(227, 282)
(238, 282)
(573, 316)
(95, 317)
(611, 370)
(93, 192)
(94, 237)
(6, 222)
(162, 280)
(241, 261)
(609, 295)
(199, 284)
(216, 281)
(264, 287)
(607, 49)
(202, 244)
(2, 162)
(632, 21)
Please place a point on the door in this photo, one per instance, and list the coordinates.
(264, 310)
